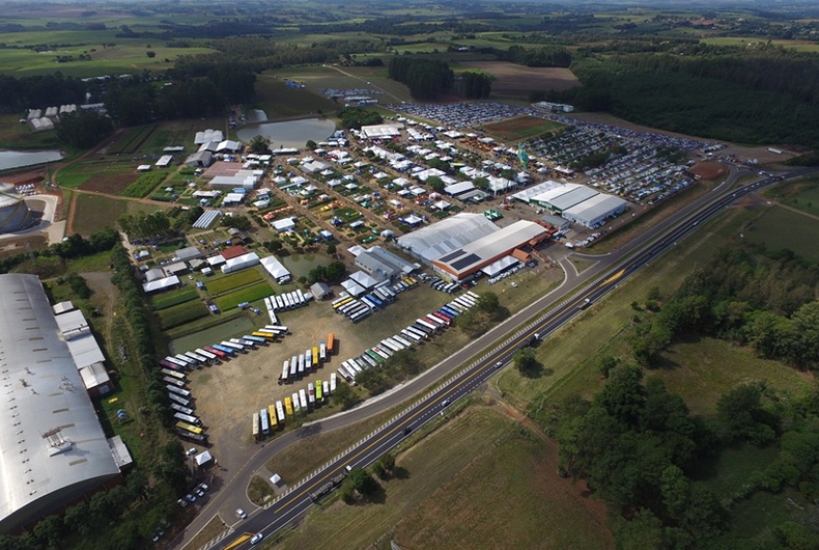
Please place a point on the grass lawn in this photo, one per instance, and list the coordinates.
(98, 262)
(232, 281)
(181, 314)
(427, 466)
(780, 228)
(699, 371)
(250, 293)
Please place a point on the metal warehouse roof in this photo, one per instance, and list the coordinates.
(487, 249)
(531, 192)
(52, 446)
(572, 198)
(599, 206)
(447, 235)
(553, 193)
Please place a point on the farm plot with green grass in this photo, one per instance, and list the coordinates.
(95, 212)
(181, 314)
(97, 175)
(232, 281)
(247, 294)
(144, 184)
(174, 297)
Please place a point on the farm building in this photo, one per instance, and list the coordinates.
(383, 264)
(526, 195)
(233, 252)
(240, 262)
(199, 159)
(286, 225)
(244, 179)
(60, 451)
(164, 161)
(464, 262)
(555, 221)
(320, 290)
(276, 269)
(188, 253)
(596, 210)
(158, 285)
(208, 136)
(446, 236)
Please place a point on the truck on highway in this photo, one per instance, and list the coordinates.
(584, 304)
(326, 488)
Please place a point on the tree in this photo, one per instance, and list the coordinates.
(361, 482)
(526, 362)
(311, 144)
(242, 223)
(644, 532)
(151, 54)
(344, 396)
(331, 249)
(259, 145)
(48, 530)
(742, 415)
(83, 129)
(488, 302)
(435, 183)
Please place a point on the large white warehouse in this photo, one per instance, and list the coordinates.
(52, 446)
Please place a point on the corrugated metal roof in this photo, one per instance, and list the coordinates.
(43, 393)
(572, 198)
(447, 235)
(591, 210)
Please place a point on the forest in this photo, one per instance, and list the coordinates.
(639, 448)
(427, 79)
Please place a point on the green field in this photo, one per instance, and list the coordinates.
(234, 280)
(174, 297)
(80, 172)
(247, 294)
(181, 314)
(131, 140)
(781, 228)
(124, 58)
(95, 212)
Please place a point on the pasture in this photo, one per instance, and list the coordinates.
(517, 81)
(174, 297)
(279, 100)
(798, 45)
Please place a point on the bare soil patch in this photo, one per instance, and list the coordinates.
(708, 170)
(112, 184)
(514, 80)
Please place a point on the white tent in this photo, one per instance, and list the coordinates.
(203, 458)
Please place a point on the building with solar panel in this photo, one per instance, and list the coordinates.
(463, 263)
(53, 450)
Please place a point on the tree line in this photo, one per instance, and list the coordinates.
(748, 295)
(427, 79)
(74, 246)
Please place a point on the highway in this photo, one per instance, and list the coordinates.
(618, 267)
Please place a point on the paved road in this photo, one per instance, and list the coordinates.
(604, 276)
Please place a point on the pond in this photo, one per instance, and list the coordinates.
(236, 327)
(20, 159)
(292, 133)
(299, 265)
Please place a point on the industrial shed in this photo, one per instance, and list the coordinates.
(596, 210)
(446, 236)
(382, 264)
(570, 199)
(464, 262)
(53, 447)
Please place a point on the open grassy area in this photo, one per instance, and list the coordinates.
(95, 212)
(428, 466)
(798, 45)
(247, 294)
(232, 281)
(780, 227)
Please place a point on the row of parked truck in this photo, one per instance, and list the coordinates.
(422, 329)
